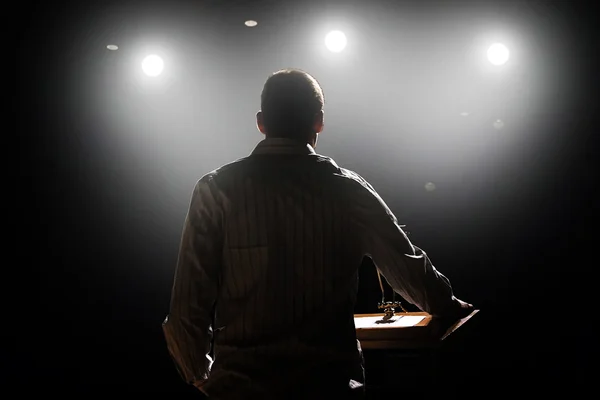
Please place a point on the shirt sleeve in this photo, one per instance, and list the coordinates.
(406, 267)
(188, 326)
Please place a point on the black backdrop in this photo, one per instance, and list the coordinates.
(73, 327)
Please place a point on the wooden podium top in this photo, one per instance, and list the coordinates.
(408, 330)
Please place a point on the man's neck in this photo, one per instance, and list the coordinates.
(292, 139)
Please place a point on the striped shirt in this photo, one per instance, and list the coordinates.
(267, 273)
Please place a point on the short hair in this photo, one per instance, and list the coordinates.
(289, 101)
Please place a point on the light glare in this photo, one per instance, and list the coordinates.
(152, 65)
(112, 47)
(335, 41)
(498, 54)
(251, 23)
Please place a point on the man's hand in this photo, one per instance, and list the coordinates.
(442, 322)
(465, 309)
(458, 310)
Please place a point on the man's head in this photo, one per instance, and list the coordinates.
(291, 106)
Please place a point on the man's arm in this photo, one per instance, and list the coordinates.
(406, 267)
(187, 328)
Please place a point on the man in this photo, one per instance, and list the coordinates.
(267, 273)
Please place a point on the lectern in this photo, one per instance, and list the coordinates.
(400, 348)
(404, 330)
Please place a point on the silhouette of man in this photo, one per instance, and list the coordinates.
(266, 281)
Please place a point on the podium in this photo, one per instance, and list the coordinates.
(406, 330)
(403, 351)
(402, 354)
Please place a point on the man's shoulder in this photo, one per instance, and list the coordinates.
(339, 173)
(354, 178)
(352, 175)
(224, 169)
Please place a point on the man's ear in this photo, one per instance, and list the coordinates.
(260, 122)
(319, 122)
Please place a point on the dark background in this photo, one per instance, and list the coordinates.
(97, 230)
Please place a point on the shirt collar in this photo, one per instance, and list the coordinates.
(283, 146)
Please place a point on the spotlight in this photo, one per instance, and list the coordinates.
(335, 41)
(152, 65)
(498, 54)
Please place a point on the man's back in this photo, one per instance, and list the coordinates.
(290, 268)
